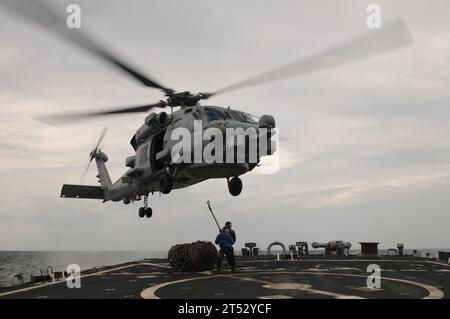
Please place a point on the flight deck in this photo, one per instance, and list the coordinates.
(256, 278)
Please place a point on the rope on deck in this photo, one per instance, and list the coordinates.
(198, 256)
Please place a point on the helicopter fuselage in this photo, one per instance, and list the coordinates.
(154, 142)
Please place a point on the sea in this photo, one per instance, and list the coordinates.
(30, 263)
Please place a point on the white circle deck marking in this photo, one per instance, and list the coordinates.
(433, 292)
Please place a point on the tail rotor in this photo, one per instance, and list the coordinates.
(95, 151)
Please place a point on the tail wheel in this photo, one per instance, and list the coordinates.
(165, 183)
(141, 212)
(235, 186)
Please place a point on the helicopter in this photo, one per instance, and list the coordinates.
(152, 168)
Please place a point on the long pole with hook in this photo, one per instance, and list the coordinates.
(212, 213)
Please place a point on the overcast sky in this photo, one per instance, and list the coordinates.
(367, 154)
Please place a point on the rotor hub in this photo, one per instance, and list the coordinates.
(185, 98)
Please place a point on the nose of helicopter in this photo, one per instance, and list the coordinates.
(259, 141)
(266, 121)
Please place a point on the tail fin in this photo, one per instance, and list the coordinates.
(103, 175)
(92, 192)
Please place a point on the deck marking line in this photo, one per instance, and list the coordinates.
(433, 292)
(62, 281)
(156, 265)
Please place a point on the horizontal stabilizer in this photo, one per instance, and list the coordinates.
(82, 191)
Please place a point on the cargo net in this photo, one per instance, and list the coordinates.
(198, 256)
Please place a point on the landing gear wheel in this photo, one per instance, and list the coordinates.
(235, 186)
(165, 183)
(141, 212)
(148, 212)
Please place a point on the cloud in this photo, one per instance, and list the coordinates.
(367, 151)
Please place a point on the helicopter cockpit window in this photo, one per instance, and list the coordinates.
(243, 117)
(215, 115)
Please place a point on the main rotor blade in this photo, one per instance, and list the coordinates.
(74, 117)
(393, 36)
(36, 12)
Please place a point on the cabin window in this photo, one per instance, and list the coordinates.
(243, 117)
(215, 115)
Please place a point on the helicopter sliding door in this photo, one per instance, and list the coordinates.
(157, 154)
(141, 165)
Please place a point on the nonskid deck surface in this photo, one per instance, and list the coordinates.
(271, 279)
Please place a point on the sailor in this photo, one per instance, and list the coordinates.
(226, 239)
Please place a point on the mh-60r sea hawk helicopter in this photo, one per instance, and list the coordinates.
(152, 169)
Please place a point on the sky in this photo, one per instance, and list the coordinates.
(366, 148)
